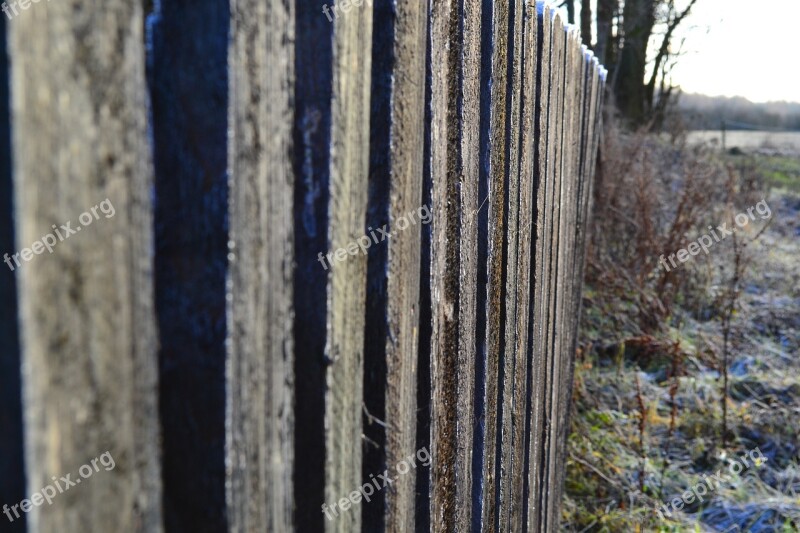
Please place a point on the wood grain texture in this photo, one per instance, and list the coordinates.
(444, 266)
(349, 165)
(553, 212)
(88, 325)
(393, 280)
(538, 352)
(494, 170)
(511, 291)
(565, 318)
(565, 233)
(469, 177)
(527, 179)
(260, 415)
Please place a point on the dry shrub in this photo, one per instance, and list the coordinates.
(653, 195)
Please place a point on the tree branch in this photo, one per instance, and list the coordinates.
(664, 50)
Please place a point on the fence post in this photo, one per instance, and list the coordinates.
(88, 329)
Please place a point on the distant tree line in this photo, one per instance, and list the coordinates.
(699, 112)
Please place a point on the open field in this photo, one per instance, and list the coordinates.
(750, 140)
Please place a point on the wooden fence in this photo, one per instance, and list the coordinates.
(228, 336)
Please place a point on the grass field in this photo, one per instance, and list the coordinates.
(749, 140)
(780, 171)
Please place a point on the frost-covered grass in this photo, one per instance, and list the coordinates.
(780, 171)
(647, 412)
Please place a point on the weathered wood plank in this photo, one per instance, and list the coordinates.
(88, 325)
(510, 260)
(491, 311)
(549, 476)
(349, 166)
(537, 354)
(392, 318)
(260, 350)
(565, 233)
(527, 178)
(187, 74)
(469, 178)
(444, 269)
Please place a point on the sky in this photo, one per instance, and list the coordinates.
(741, 48)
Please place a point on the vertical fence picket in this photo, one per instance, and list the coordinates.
(550, 277)
(510, 262)
(349, 166)
(455, 167)
(545, 74)
(87, 314)
(491, 232)
(444, 266)
(528, 178)
(260, 374)
(468, 169)
(393, 279)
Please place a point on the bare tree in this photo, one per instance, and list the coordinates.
(673, 19)
(586, 22)
(570, 4)
(622, 45)
(606, 11)
(638, 20)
